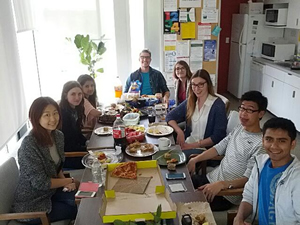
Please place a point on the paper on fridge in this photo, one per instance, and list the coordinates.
(170, 60)
(204, 31)
(209, 4)
(170, 42)
(210, 15)
(183, 48)
(189, 3)
(170, 5)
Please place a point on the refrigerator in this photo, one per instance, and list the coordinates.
(248, 32)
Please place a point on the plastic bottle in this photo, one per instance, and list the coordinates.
(119, 132)
(97, 172)
(118, 87)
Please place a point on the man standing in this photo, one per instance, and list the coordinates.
(152, 81)
(239, 147)
(273, 188)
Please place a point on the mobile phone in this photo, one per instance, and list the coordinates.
(175, 176)
(85, 194)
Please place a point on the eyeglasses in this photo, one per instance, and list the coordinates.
(179, 68)
(242, 109)
(145, 57)
(199, 85)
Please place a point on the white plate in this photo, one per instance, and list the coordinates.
(101, 131)
(119, 107)
(87, 160)
(160, 130)
(141, 154)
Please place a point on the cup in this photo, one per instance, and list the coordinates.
(164, 143)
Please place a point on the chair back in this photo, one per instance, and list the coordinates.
(225, 100)
(233, 121)
(9, 176)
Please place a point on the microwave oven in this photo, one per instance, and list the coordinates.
(276, 17)
(277, 51)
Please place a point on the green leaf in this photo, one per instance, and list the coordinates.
(68, 39)
(77, 40)
(94, 45)
(100, 70)
(88, 58)
(101, 51)
(119, 222)
(85, 43)
(158, 211)
(89, 50)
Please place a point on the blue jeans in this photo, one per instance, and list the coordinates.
(63, 207)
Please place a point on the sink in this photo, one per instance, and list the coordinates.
(284, 64)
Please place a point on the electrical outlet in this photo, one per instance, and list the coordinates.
(227, 40)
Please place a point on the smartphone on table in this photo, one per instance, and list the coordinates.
(175, 176)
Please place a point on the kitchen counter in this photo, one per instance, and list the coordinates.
(277, 65)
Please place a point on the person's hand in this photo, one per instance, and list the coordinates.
(239, 221)
(211, 190)
(166, 100)
(158, 95)
(191, 165)
(77, 183)
(187, 146)
(70, 187)
(180, 138)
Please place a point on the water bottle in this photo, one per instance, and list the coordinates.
(119, 134)
(97, 172)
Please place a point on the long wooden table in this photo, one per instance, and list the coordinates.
(88, 211)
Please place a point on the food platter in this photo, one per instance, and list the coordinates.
(103, 130)
(159, 130)
(175, 154)
(139, 150)
(87, 160)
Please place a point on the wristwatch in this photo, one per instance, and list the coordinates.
(230, 186)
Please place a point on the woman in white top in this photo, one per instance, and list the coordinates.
(203, 112)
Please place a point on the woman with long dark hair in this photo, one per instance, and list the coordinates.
(203, 112)
(41, 156)
(90, 100)
(72, 109)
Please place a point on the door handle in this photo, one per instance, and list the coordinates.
(297, 22)
(272, 84)
(294, 94)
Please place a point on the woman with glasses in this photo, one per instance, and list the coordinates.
(182, 75)
(204, 114)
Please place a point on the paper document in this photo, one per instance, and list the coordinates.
(210, 50)
(170, 42)
(188, 30)
(189, 3)
(170, 5)
(210, 16)
(170, 60)
(204, 31)
(209, 4)
(183, 49)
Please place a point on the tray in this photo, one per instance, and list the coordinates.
(141, 154)
(87, 160)
(176, 154)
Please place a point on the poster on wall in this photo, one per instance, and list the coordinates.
(170, 42)
(189, 3)
(170, 5)
(204, 31)
(171, 22)
(210, 16)
(170, 60)
(210, 50)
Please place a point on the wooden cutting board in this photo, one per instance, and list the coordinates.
(134, 186)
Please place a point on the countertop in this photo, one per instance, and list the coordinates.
(276, 65)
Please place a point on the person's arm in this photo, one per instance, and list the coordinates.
(95, 113)
(128, 83)
(166, 97)
(180, 134)
(245, 209)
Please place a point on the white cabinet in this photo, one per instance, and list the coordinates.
(256, 75)
(293, 18)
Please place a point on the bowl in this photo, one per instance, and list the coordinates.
(131, 119)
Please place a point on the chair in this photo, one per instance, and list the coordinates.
(225, 100)
(9, 176)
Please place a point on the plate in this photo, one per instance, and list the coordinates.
(102, 131)
(160, 130)
(141, 154)
(87, 160)
(118, 107)
(175, 154)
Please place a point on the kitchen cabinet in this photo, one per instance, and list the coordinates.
(256, 75)
(293, 18)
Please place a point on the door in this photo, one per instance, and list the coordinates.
(293, 18)
(256, 76)
(236, 69)
(239, 27)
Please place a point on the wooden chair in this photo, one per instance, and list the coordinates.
(9, 176)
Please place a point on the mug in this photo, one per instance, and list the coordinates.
(164, 143)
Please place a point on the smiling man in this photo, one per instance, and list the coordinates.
(239, 147)
(273, 187)
(152, 81)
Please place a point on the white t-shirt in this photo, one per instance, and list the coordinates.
(54, 154)
(199, 120)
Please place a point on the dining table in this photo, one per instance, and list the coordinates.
(89, 208)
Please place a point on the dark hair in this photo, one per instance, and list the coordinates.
(187, 69)
(65, 105)
(283, 124)
(257, 97)
(145, 50)
(192, 98)
(82, 79)
(35, 113)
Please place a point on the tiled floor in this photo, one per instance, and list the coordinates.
(221, 217)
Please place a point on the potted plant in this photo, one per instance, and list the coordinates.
(89, 52)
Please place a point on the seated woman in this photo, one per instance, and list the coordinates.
(204, 114)
(41, 156)
(72, 110)
(90, 100)
(182, 75)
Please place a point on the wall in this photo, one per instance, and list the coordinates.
(228, 7)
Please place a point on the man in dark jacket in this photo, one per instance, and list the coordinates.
(152, 81)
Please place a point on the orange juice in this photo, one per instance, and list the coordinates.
(118, 91)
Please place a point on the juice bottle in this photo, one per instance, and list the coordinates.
(118, 88)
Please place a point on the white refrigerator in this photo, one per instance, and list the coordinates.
(247, 34)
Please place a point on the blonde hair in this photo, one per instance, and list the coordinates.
(192, 98)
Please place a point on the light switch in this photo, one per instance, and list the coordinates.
(227, 40)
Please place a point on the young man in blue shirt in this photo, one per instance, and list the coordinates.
(152, 81)
(273, 189)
